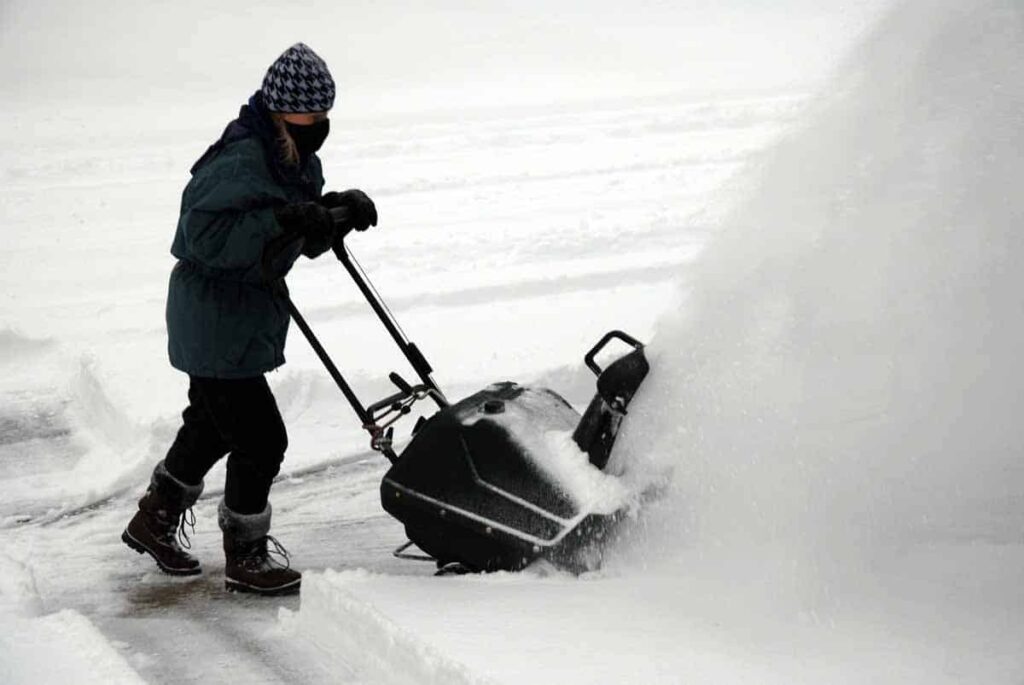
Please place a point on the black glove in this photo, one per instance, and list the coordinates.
(310, 220)
(362, 211)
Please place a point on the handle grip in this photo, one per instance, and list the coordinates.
(624, 337)
(277, 246)
(339, 214)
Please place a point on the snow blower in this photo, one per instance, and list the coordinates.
(478, 487)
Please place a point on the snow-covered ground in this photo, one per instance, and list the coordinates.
(828, 284)
(507, 246)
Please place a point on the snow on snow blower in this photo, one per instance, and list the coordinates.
(498, 479)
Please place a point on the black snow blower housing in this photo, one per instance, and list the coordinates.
(492, 482)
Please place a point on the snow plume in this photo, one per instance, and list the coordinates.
(843, 372)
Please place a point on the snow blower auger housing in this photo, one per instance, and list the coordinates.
(483, 484)
(476, 485)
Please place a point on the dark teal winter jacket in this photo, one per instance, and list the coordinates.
(223, 319)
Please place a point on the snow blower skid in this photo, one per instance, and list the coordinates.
(479, 486)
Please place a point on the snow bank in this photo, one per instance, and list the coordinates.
(18, 593)
(14, 345)
(63, 647)
(670, 626)
(60, 648)
(66, 444)
(362, 645)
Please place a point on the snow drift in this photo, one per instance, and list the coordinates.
(63, 646)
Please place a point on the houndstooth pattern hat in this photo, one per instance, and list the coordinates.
(298, 81)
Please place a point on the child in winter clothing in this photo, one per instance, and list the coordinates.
(227, 324)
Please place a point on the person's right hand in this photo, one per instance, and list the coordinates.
(310, 220)
(362, 211)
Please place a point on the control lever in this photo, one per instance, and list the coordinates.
(400, 383)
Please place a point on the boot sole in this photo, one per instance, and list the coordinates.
(238, 586)
(127, 539)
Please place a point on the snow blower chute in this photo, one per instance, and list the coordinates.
(475, 487)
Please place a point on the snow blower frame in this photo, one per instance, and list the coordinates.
(471, 487)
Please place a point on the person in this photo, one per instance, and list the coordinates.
(227, 323)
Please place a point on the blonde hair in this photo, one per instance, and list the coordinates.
(286, 146)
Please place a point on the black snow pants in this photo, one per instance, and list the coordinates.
(237, 417)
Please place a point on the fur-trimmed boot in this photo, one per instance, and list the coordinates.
(249, 566)
(158, 527)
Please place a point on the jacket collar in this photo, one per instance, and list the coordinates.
(254, 121)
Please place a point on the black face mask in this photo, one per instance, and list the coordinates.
(309, 137)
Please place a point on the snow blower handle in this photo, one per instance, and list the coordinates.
(279, 245)
(408, 348)
(272, 251)
(340, 215)
(407, 395)
(608, 337)
(377, 417)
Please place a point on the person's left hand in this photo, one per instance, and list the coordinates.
(362, 211)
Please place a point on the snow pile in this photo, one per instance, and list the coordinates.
(845, 371)
(62, 647)
(59, 419)
(18, 593)
(666, 627)
(360, 644)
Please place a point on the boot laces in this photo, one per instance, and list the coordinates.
(279, 551)
(259, 555)
(188, 518)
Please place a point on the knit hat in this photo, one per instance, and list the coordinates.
(298, 81)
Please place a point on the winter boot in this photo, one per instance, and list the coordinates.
(249, 566)
(160, 522)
